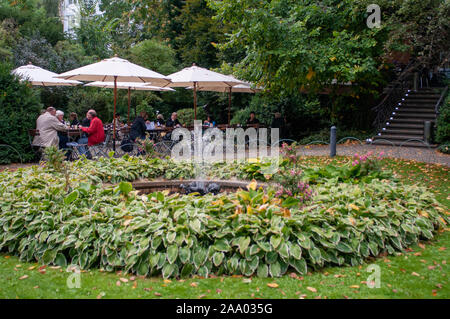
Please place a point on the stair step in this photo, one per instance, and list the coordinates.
(415, 110)
(398, 143)
(407, 120)
(420, 101)
(404, 126)
(400, 137)
(419, 105)
(422, 116)
(390, 130)
(425, 96)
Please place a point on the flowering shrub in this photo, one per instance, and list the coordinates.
(363, 165)
(291, 185)
(289, 152)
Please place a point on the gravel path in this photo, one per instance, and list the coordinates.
(410, 153)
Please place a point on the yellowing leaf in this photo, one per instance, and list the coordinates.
(354, 286)
(310, 74)
(252, 185)
(272, 285)
(333, 58)
(23, 277)
(312, 289)
(353, 206)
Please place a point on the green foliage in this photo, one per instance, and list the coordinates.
(20, 105)
(186, 116)
(54, 158)
(247, 232)
(443, 123)
(83, 99)
(154, 55)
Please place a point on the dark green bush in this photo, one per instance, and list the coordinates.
(443, 123)
(20, 105)
(186, 116)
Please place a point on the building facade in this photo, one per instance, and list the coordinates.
(69, 12)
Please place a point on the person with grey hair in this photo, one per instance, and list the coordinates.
(63, 137)
(48, 126)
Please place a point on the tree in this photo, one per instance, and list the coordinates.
(20, 105)
(154, 55)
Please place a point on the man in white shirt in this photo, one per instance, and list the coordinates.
(48, 126)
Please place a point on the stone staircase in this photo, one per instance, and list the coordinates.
(408, 118)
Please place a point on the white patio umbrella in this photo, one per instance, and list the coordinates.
(129, 86)
(240, 88)
(115, 70)
(196, 76)
(41, 77)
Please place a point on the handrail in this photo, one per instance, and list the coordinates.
(441, 98)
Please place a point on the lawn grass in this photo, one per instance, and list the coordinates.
(420, 271)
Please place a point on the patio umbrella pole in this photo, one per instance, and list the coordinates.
(129, 101)
(229, 106)
(195, 100)
(114, 115)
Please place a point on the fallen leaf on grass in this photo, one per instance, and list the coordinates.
(194, 284)
(36, 287)
(247, 280)
(157, 294)
(123, 279)
(201, 296)
(312, 289)
(415, 274)
(100, 295)
(441, 248)
(167, 281)
(218, 291)
(31, 268)
(118, 283)
(354, 286)
(23, 277)
(272, 285)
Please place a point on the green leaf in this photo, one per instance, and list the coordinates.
(275, 269)
(168, 270)
(125, 187)
(218, 258)
(49, 256)
(187, 270)
(222, 245)
(299, 265)
(275, 241)
(185, 254)
(199, 257)
(172, 253)
(71, 197)
(283, 250)
(295, 251)
(265, 246)
(315, 255)
(263, 271)
(343, 247)
(243, 244)
(60, 260)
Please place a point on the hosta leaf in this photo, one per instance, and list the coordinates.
(171, 237)
(299, 265)
(364, 248)
(168, 270)
(199, 257)
(343, 247)
(283, 250)
(275, 241)
(305, 243)
(203, 271)
(195, 225)
(143, 268)
(271, 257)
(218, 258)
(254, 249)
(125, 187)
(49, 256)
(373, 248)
(185, 254)
(243, 244)
(275, 269)
(253, 263)
(265, 246)
(263, 271)
(222, 245)
(187, 270)
(315, 255)
(71, 197)
(60, 260)
(295, 251)
(172, 253)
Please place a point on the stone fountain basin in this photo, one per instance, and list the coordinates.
(173, 186)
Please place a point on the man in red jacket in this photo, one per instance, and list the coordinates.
(95, 131)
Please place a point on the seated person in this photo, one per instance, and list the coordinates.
(209, 122)
(160, 120)
(74, 119)
(139, 127)
(63, 137)
(48, 126)
(252, 120)
(173, 121)
(95, 132)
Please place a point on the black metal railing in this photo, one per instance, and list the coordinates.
(441, 100)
